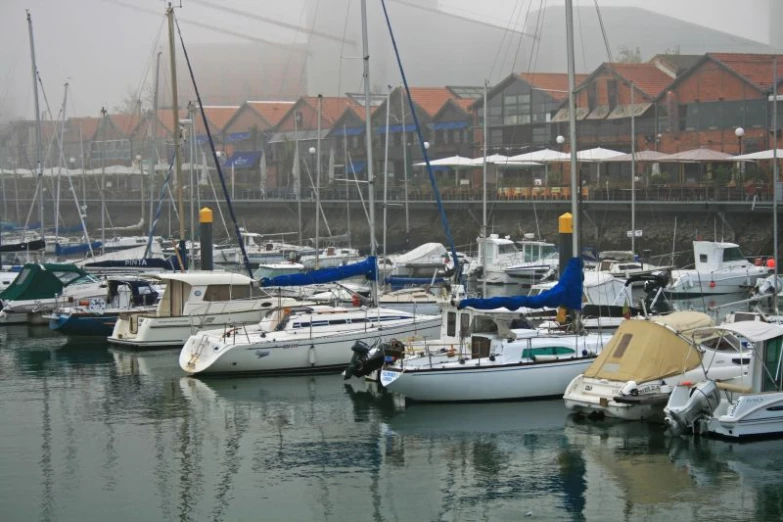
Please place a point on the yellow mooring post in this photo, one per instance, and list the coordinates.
(205, 233)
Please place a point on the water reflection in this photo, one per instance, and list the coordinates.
(127, 433)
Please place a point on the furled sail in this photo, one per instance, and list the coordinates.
(366, 268)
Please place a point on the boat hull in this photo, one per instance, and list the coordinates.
(331, 352)
(83, 325)
(750, 416)
(472, 383)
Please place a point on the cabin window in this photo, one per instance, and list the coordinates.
(702, 258)
(226, 292)
(451, 324)
(464, 325)
(771, 364)
(22, 276)
(507, 249)
(622, 345)
(480, 347)
(733, 254)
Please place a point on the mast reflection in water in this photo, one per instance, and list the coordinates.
(89, 430)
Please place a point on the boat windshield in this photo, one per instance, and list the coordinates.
(72, 278)
(507, 249)
(733, 254)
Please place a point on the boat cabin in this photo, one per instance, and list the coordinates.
(184, 291)
(710, 256)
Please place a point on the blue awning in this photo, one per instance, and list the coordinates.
(237, 136)
(410, 127)
(244, 160)
(348, 131)
(356, 166)
(448, 125)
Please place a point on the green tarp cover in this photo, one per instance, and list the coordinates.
(40, 281)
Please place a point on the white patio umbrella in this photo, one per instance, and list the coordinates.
(542, 156)
(597, 155)
(699, 155)
(760, 156)
(494, 159)
(455, 162)
(642, 155)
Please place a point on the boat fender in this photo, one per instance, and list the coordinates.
(585, 353)
(311, 355)
(462, 361)
(630, 388)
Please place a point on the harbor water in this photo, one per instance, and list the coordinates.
(92, 433)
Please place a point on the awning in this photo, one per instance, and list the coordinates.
(244, 160)
(562, 114)
(448, 125)
(237, 136)
(626, 111)
(302, 135)
(347, 131)
(410, 127)
(599, 113)
(356, 166)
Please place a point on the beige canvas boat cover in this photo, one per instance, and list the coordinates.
(647, 350)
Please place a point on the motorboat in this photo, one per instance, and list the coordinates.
(720, 268)
(193, 301)
(303, 339)
(39, 288)
(540, 261)
(489, 351)
(624, 264)
(746, 408)
(646, 358)
(97, 316)
(330, 257)
(502, 261)
(260, 251)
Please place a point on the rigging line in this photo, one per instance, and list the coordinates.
(519, 45)
(202, 25)
(581, 34)
(214, 153)
(536, 44)
(342, 49)
(292, 48)
(603, 31)
(252, 16)
(505, 34)
(448, 14)
(507, 53)
(435, 191)
(541, 30)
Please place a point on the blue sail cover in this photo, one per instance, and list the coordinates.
(80, 248)
(567, 293)
(325, 275)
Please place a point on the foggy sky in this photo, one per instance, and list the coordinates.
(105, 50)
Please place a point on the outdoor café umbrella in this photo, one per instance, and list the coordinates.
(493, 159)
(642, 155)
(597, 155)
(760, 156)
(541, 156)
(699, 156)
(454, 162)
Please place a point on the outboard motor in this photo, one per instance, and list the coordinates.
(366, 360)
(687, 405)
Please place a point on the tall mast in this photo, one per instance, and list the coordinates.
(633, 173)
(60, 170)
(405, 166)
(154, 161)
(176, 130)
(368, 143)
(103, 180)
(484, 197)
(38, 158)
(346, 161)
(386, 172)
(776, 176)
(569, 5)
(318, 179)
(297, 180)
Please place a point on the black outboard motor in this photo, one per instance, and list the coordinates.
(366, 360)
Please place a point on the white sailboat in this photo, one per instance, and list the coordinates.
(308, 339)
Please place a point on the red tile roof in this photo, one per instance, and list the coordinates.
(217, 115)
(332, 107)
(758, 69)
(431, 99)
(554, 84)
(165, 117)
(88, 126)
(125, 123)
(645, 76)
(271, 111)
(464, 103)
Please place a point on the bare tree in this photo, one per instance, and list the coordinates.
(627, 55)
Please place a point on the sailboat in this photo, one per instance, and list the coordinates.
(490, 352)
(308, 338)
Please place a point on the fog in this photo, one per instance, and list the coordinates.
(105, 48)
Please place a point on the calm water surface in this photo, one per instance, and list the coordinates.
(90, 433)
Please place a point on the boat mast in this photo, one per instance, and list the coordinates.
(318, 179)
(39, 160)
(633, 173)
(154, 161)
(368, 145)
(386, 172)
(405, 166)
(776, 176)
(296, 168)
(484, 199)
(176, 132)
(60, 170)
(347, 184)
(569, 5)
(103, 180)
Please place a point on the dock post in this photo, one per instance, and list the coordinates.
(205, 233)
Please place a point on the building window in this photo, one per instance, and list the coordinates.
(516, 109)
(495, 115)
(541, 135)
(592, 95)
(496, 137)
(611, 93)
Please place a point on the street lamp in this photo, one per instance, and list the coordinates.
(739, 132)
(560, 140)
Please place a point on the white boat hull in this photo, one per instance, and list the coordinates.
(691, 283)
(209, 354)
(758, 415)
(468, 383)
